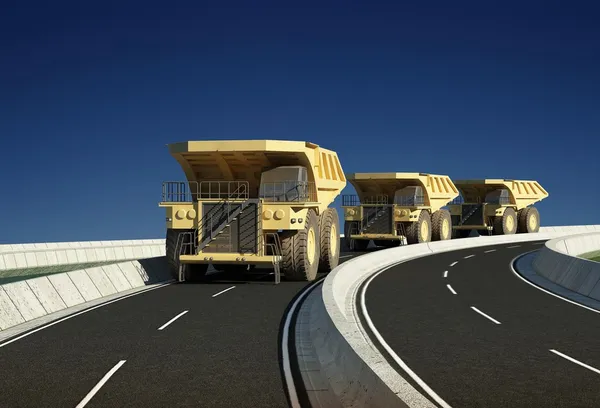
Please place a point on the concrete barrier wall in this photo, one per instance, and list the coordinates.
(346, 346)
(559, 262)
(29, 260)
(31, 299)
(49, 278)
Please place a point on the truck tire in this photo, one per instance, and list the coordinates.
(386, 243)
(301, 250)
(172, 257)
(529, 220)
(460, 233)
(354, 244)
(195, 272)
(329, 232)
(192, 272)
(507, 223)
(420, 230)
(234, 268)
(441, 225)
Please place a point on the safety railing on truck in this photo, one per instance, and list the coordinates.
(406, 201)
(288, 191)
(478, 200)
(224, 190)
(349, 200)
(178, 191)
(189, 191)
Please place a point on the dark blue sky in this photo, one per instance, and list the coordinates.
(91, 94)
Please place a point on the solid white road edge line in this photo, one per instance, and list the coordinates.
(223, 291)
(484, 315)
(489, 250)
(512, 268)
(453, 263)
(445, 274)
(469, 256)
(575, 361)
(387, 348)
(100, 384)
(82, 312)
(285, 353)
(450, 289)
(173, 319)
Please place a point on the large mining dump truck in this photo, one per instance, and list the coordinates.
(396, 208)
(496, 206)
(253, 202)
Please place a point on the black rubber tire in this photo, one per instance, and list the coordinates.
(295, 264)
(413, 230)
(195, 272)
(330, 254)
(389, 243)
(501, 224)
(457, 234)
(439, 218)
(233, 268)
(191, 272)
(170, 247)
(524, 215)
(354, 244)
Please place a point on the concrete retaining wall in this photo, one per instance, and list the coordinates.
(558, 262)
(18, 261)
(345, 345)
(97, 270)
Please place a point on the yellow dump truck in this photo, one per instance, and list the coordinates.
(391, 208)
(253, 202)
(497, 206)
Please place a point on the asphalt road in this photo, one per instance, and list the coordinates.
(468, 359)
(223, 351)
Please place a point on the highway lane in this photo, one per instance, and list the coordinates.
(486, 339)
(217, 346)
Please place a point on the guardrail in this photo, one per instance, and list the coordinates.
(357, 373)
(559, 261)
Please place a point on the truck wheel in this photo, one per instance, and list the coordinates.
(460, 233)
(170, 249)
(233, 268)
(441, 225)
(528, 220)
(195, 272)
(329, 231)
(507, 223)
(354, 244)
(386, 243)
(301, 250)
(420, 230)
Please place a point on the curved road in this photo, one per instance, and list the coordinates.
(489, 339)
(223, 351)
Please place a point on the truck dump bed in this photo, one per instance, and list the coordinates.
(521, 193)
(246, 160)
(437, 190)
